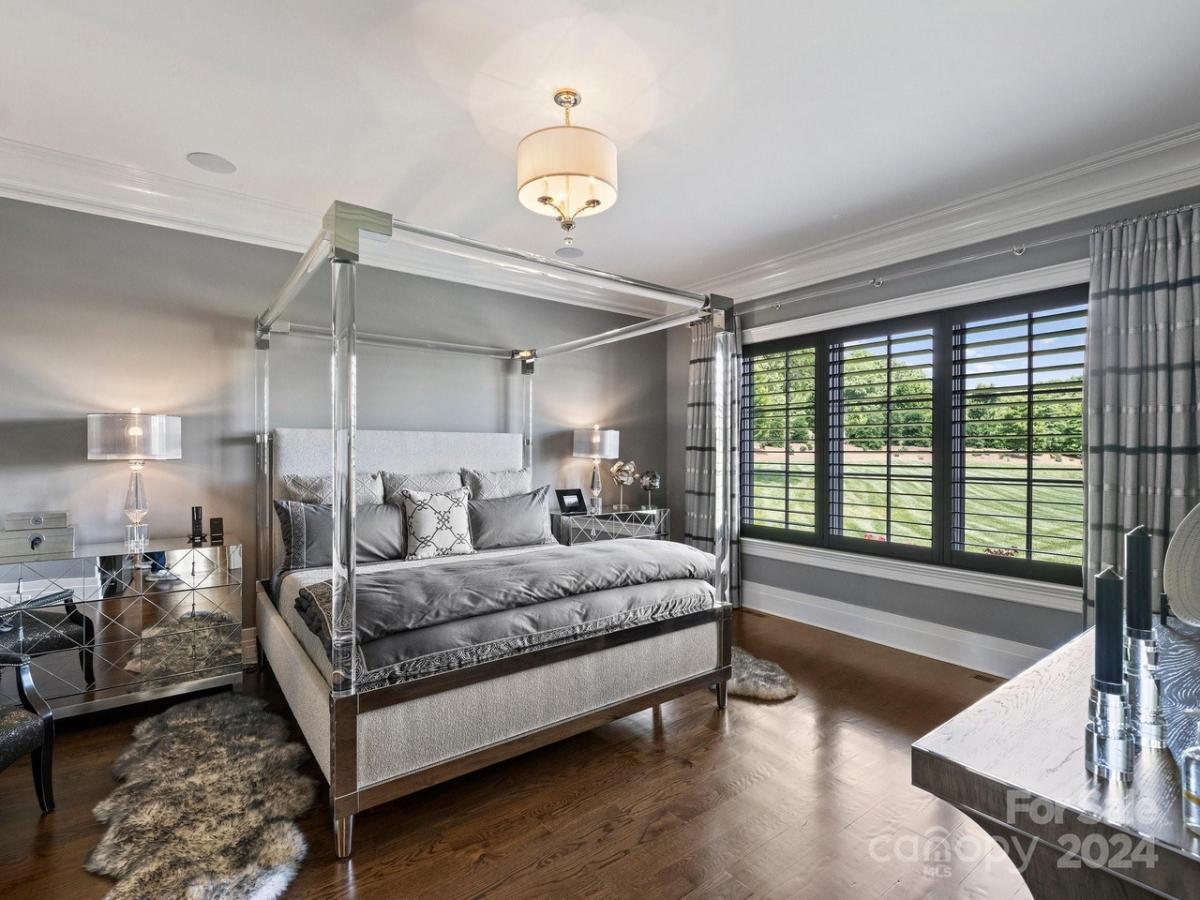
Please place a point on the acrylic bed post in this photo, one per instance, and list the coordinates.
(720, 309)
(338, 244)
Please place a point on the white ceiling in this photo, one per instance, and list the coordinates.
(748, 130)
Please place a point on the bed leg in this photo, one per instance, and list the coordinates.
(262, 657)
(722, 694)
(343, 835)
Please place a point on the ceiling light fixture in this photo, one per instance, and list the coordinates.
(566, 171)
(210, 162)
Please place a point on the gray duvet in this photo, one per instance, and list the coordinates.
(412, 622)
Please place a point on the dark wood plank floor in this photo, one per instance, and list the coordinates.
(809, 798)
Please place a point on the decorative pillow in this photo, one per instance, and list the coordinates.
(307, 530)
(396, 483)
(512, 521)
(319, 488)
(500, 483)
(437, 524)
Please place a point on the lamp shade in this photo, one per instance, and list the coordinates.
(134, 436)
(597, 443)
(571, 166)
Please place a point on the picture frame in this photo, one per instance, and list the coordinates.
(571, 502)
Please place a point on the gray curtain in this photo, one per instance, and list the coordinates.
(698, 515)
(1142, 387)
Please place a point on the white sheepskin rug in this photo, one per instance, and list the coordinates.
(206, 808)
(759, 679)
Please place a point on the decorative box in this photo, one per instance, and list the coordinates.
(20, 521)
(37, 541)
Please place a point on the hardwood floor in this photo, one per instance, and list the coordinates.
(809, 798)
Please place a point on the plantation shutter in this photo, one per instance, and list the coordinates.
(1017, 421)
(881, 439)
(779, 410)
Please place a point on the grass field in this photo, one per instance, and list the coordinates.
(995, 508)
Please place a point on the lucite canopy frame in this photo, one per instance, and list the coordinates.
(339, 243)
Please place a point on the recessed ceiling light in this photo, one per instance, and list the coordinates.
(210, 162)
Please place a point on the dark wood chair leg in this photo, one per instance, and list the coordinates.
(87, 654)
(722, 694)
(43, 775)
(41, 758)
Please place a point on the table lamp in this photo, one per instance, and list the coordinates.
(136, 437)
(597, 444)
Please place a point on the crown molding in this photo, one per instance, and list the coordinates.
(54, 178)
(1163, 164)
(1013, 285)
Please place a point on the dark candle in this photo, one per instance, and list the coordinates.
(1137, 579)
(1109, 631)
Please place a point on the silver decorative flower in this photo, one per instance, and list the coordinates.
(624, 473)
(651, 480)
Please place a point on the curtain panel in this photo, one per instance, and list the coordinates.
(698, 514)
(1142, 385)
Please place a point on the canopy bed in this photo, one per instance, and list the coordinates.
(405, 672)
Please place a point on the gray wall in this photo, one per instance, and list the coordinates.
(1018, 622)
(101, 315)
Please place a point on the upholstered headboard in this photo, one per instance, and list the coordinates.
(309, 451)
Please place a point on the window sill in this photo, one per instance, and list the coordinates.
(1060, 597)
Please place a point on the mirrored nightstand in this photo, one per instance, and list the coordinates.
(648, 524)
(133, 627)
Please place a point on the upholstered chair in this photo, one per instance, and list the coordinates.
(28, 729)
(37, 626)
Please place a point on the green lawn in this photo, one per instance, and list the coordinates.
(995, 512)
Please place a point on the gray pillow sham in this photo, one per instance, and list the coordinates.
(497, 483)
(307, 530)
(395, 483)
(319, 488)
(511, 521)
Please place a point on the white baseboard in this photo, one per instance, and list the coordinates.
(249, 646)
(981, 652)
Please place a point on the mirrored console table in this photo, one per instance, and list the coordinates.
(106, 627)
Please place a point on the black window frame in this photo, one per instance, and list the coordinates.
(942, 551)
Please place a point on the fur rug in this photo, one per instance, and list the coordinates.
(207, 805)
(759, 679)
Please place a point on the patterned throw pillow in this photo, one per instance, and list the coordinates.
(496, 484)
(437, 524)
(396, 483)
(319, 488)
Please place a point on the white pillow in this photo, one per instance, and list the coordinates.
(437, 524)
(496, 484)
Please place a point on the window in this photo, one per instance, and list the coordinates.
(953, 438)
(779, 434)
(881, 438)
(1018, 441)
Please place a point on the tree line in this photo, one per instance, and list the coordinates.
(997, 417)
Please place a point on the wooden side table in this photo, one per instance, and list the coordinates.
(1014, 762)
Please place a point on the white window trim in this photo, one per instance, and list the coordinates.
(1043, 279)
(1060, 597)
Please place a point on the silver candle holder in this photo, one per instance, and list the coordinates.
(1190, 778)
(1143, 688)
(1108, 741)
